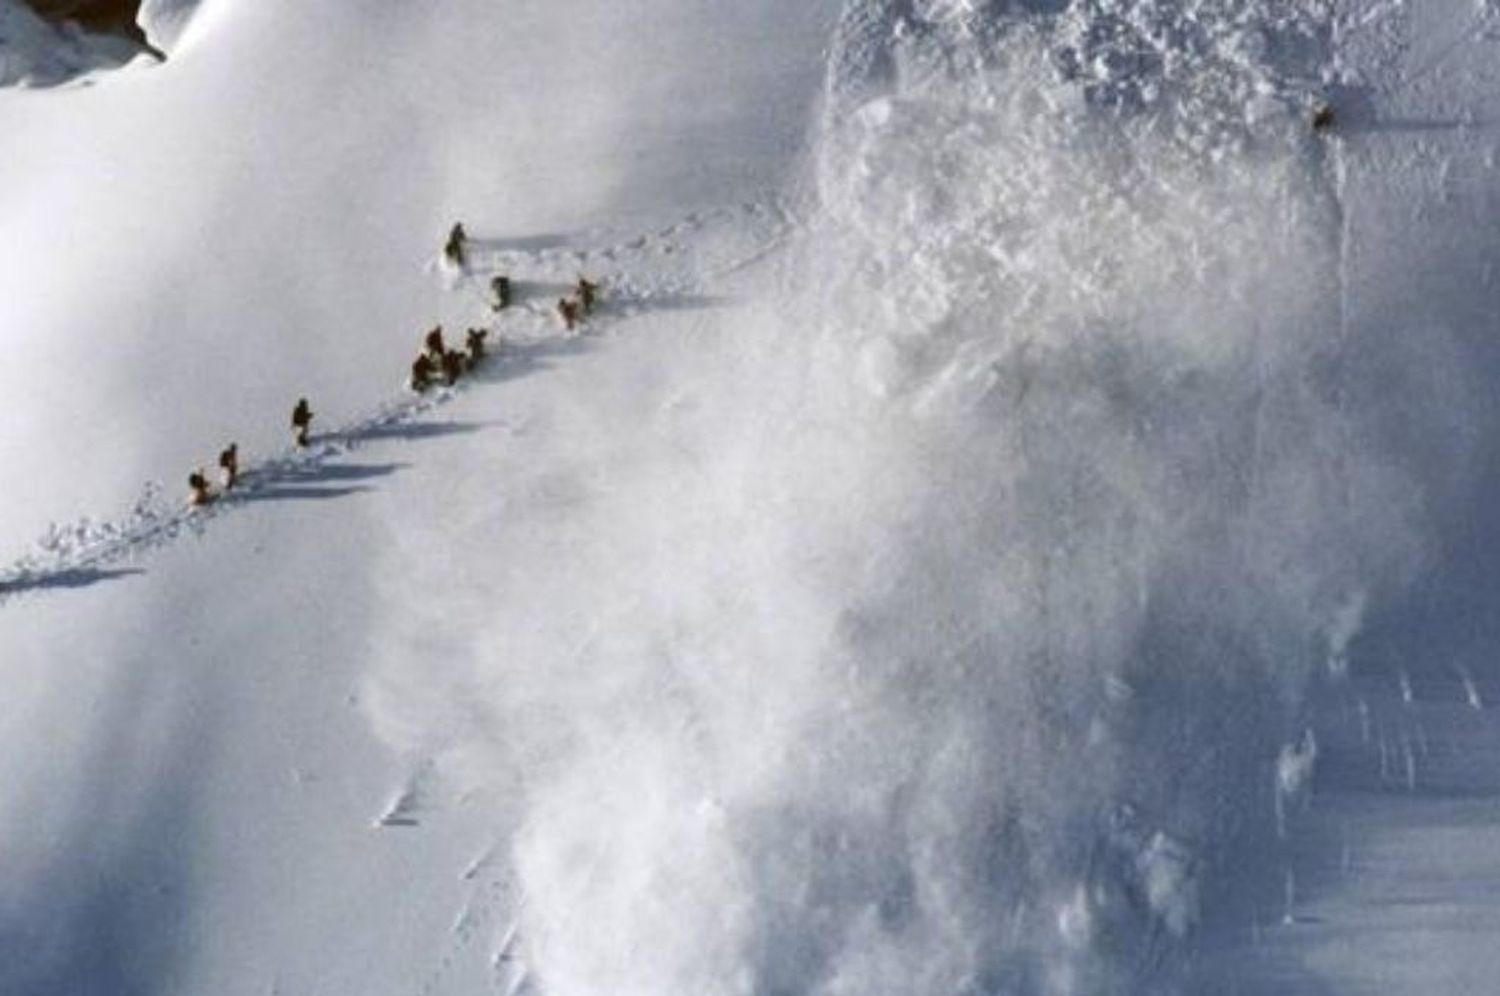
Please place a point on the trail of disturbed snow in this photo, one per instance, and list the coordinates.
(669, 267)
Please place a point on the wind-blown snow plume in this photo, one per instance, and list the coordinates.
(951, 645)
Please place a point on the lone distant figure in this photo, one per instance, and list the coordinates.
(229, 465)
(434, 344)
(198, 492)
(588, 293)
(475, 343)
(567, 309)
(500, 287)
(421, 373)
(1322, 118)
(455, 248)
(302, 417)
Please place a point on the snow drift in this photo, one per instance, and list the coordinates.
(943, 635)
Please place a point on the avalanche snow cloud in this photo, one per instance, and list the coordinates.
(950, 648)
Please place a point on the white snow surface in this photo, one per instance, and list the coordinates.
(166, 22)
(1020, 499)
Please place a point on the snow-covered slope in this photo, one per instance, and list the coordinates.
(1390, 872)
(1012, 455)
(192, 790)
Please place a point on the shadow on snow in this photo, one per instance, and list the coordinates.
(73, 577)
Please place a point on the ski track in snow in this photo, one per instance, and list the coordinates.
(670, 267)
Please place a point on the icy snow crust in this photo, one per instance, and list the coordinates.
(933, 595)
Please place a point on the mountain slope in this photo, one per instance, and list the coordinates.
(1014, 463)
(195, 794)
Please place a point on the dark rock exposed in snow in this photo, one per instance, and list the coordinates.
(114, 16)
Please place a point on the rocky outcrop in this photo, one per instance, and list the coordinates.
(113, 16)
(156, 24)
(51, 42)
(38, 51)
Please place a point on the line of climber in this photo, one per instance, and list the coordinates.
(200, 492)
(571, 310)
(435, 360)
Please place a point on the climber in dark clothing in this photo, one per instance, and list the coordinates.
(198, 492)
(434, 343)
(1322, 118)
(229, 465)
(500, 287)
(421, 373)
(588, 293)
(567, 309)
(475, 343)
(302, 417)
(454, 248)
(453, 365)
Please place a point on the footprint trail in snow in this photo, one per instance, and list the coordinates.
(671, 267)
